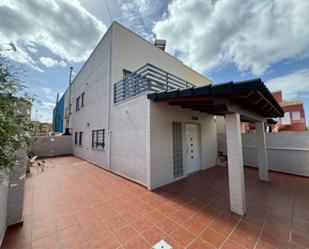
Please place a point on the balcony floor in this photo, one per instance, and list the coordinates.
(73, 204)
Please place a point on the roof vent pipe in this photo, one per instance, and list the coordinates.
(160, 44)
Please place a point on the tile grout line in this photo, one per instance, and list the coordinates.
(266, 218)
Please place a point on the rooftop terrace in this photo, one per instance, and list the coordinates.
(74, 204)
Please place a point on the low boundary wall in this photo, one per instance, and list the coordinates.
(287, 152)
(53, 146)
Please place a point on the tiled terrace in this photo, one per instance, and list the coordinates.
(74, 204)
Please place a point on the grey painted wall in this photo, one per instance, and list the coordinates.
(287, 152)
(53, 146)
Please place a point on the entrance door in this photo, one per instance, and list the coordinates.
(193, 147)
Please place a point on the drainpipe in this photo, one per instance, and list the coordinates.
(109, 100)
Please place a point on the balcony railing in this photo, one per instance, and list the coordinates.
(148, 78)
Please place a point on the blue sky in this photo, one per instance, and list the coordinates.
(225, 40)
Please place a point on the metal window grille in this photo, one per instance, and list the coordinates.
(80, 138)
(177, 150)
(98, 139)
(76, 138)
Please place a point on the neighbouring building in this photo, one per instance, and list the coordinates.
(44, 129)
(141, 113)
(294, 117)
(58, 116)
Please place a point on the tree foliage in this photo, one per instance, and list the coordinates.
(16, 128)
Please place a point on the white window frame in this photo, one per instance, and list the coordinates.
(296, 115)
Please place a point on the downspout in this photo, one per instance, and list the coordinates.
(110, 99)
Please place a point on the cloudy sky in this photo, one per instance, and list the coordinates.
(225, 39)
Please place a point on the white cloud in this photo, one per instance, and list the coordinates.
(62, 64)
(20, 55)
(46, 90)
(140, 15)
(47, 105)
(32, 50)
(64, 27)
(251, 34)
(48, 62)
(293, 86)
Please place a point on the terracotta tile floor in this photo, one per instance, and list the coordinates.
(73, 204)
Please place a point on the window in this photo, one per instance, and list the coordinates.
(76, 138)
(177, 150)
(98, 139)
(83, 98)
(286, 120)
(80, 138)
(77, 104)
(296, 115)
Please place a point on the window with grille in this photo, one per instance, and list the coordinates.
(98, 139)
(77, 104)
(83, 99)
(177, 150)
(80, 138)
(76, 138)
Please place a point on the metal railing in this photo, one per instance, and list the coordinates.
(147, 78)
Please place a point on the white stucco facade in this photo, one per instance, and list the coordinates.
(161, 147)
(137, 132)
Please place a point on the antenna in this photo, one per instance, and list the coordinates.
(13, 47)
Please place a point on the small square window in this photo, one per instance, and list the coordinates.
(296, 115)
(98, 139)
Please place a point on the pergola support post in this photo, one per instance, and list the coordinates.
(261, 151)
(235, 164)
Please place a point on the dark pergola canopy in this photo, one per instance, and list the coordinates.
(251, 95)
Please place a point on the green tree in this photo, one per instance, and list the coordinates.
(16, 128)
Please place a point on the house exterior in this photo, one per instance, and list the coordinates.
(117, 136)
(294, 118)
(141, 113)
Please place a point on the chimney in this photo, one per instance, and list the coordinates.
(160, 44)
